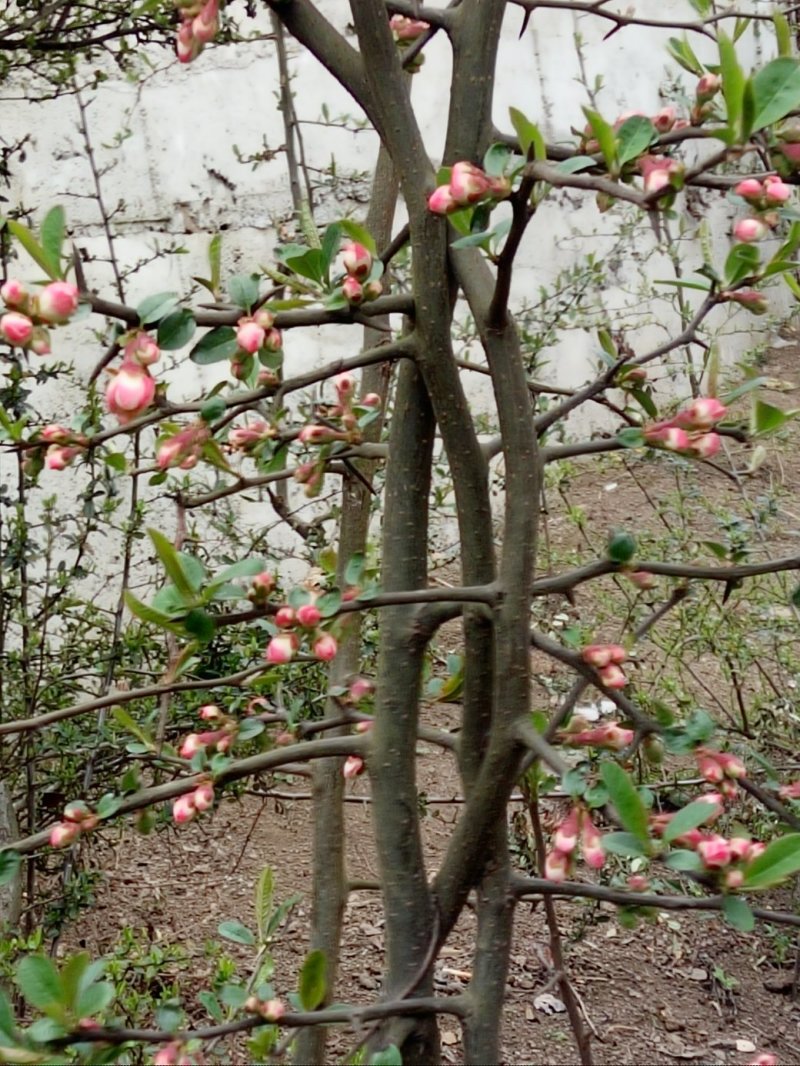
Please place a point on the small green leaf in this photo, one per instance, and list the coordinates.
(244, 568)
(313, 983)
(108, 805)
(732, 84)
(496, 159)
(604, 135)
(9, 865)
(250, 727)
(32, 247)
(215, 259)
(212, 1005)
(744, 260)
(243, 290)
(529, 135)
(783, 33)
(38, 981)
(682, 53)
(689, 817)
(149, 614)
(116, 460)
(631, 437)
(94, 998)
(52, 235)
(329, 603)
(354, 570)
(780, 859)
(153, 308)
(626, 800)
(215, 346)
(357, 233)
(213, 409)
(234, 996)
(171, 561)
(236, 932)
(8, 1031)
(265, 893)
(766, 418)
(738, 914)
(576, 164)
(634, 137)
(623, 844)
(200, 625)
(331, 240)
(176, 330)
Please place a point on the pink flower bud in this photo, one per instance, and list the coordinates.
(597, 655)
(249, 335)
(753, 300)
(364, 727)
(372, 399)
(168, 1055)
(776, 191)
(372, 289)
(56, 434)
(206, 24)
(281, 649)
(468, 183)
(344, 384)
(764, 1058)
(707, 87)
(791, 152)
(130, 391)
(285, 617)
(186, 46)
(16, 328)
(40, 341)
(749, 230)
(791, 791)
(740, 848)
(664, 119)
(59, 457)
(643, 579)
(356, 260)
(733, 879)
(308, 615)
(57, 301)
(141, 349)
(618, 654)
(353, 766)
(203, 797)
(638, 883)
(272, 1010)
(750, 189)
(273, 341)
(702, 413)
(556, 866)
(709, 766)
(732, 765)
(717, 805)
(63, 834)
(756, 848)
(707, 445)
(592, 845)
(263, 584)
(325, 647)
(209, 712)
(361, 688)
(715, 851)
(676, 440)
(566, 836)
(183, 809)
(441, 201)
(656, 178)
(352, 289)
(613, 676)
(318, 434)
(13, 293)
(191, 745)
(407, 29)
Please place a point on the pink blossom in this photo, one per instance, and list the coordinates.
(40, 341)
(242, 437)
(57, 301)
(308, 615)
(756, 848)
(352, 289)
(597, 655)
(264, 318)
(566, 836)
(611, 736)
(707, 445)
(285, 617)
(592, 845)
(281, 649)
(791, 791)
(263, 583)
(750, 189)
(638, 883)
(407, 29)
(676, 440)
(273, 341)
(353, 766)
(185, 447)
(702, 413)
(206, 24)
(209, 712)
(183, 809)
(656, 171)
(613, 676)
(664, 119)
(556, 866)
(708, 765)
(707, 87)
(63, 834)
(740, 847)
(325, 647)
(643, 579)
(130, 391)
(203, 797)
(364, 727)
(344, 384)
(249, 335)
(273, 1010)
(715, 851)
(16, 328)
(372, 289)
(776, 191)
(791, 151)
(360, 688)
(468, 183)
(442, 202)
(168, 1055)
(59, 457)
(732, 765)
(315, 434)
(749, 230)
(141, 349)
(190, 746)
(356, 260)
(13, 293)
(764, 1058)
(56, 434)
(752, 299)
(372, 399)
(186, 46)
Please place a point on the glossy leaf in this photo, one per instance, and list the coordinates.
(776, 91)
(52, 236)
(153, 308)
(313, 983)
(176, 330)
(780, 860)
(528, 134)
(236, 932)
(738, 913)
(626, 800)
(216, 345)
(689, 817)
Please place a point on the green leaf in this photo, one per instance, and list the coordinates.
(215, 260)
(243, 290)
(687, 818)
(244, 568)
(213, 408)
(354, 570)
(250, 727)
(234, 996)
(52, 235)
(783, 34)
(169, 601)
(265, 893)
(329, 603)
(38, 981)
(634, 137)
(200, 625)
(116, 460)
(7, 1027)
(331, 240)
(357, 233)
(313, 983)
(154, 308)
(473, 240)
(766, 418)
(496, 159)
(742, 390)
(94, 998)
(684, 860)
(780, 859)
(149, 614)
(626, 800)
(575, 164)
(108, 805)
(214, 346)
(682, 53)
(776, 91)
(529, 135)
(212, 1005)
(236, 932)
(621, 547)
(310, 264)
(9, 865)
(604, 135)
(171, 561)
(683, 284)
(387, 1056)
(176, 330)
(738, 914)
(631, 437)
(623, 844)
(732, 84)
(32, 247)
(743, 261)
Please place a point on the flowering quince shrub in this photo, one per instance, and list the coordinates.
(378, 426)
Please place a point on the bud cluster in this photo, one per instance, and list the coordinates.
(607, 659)
(199, 25)
(660, 172)
(283, 647)
(468, 185)
(63, 445)
(689, 431)
(173, 1054)
(77, 819)
(24, 324)
(131, 389)
(249, 437)
(721, 769)
(611, 736)
(577, 825)
(359, 285)
(185, 448)
(405, 31)
(257, 337)
(190, 804)
(763, 197)
(707, 88)
(271, 1010)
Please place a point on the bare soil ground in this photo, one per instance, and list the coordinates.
(683, 988)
